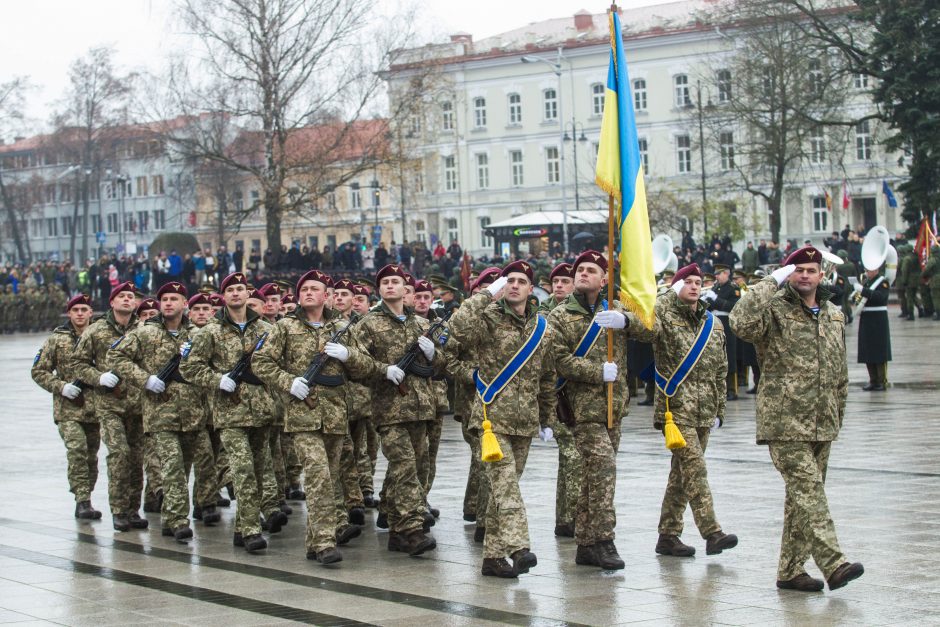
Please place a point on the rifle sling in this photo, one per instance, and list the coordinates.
(425, 372)
(329, 380)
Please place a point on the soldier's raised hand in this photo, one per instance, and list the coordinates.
(496, 287)
(782, 274)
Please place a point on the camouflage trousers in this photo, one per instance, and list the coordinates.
(507, 529)
(372, 444)
(471, 495)
(568, 483)
(320, 454)
(926, 298)
(293, 467)
(205, 468)
(272, 485)
(123, 435)
(808, 530)
(365, 466)
(688, 485)
(349, 472)
(250, 459)
(597, 516)
(154, 480)
(177, 450)
(277, 459)
(81, 440)
(912, 297)
(429, 470)
(404, 445)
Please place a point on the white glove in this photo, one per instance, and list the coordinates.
(70, 391)
(299, 388)
(780, 274)
(677, 287)
(155, 385)
(394, 374)
(227, 384)
(427, 347)
(709, 295)
(610, 319)
(610, 371)
(546, 434)
(496, 286)
(108, 380)
(718, 422)
(858, 287)
(336, 351)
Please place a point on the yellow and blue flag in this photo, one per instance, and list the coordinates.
(620, 174)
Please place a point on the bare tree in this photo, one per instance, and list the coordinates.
(11, 115)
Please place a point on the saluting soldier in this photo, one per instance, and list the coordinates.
(722, 298)
(506, 335)
(72, 409)
(800, 339)
(874, 334)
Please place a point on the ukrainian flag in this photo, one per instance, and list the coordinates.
(620, 174)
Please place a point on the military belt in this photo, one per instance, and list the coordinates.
(871, 309)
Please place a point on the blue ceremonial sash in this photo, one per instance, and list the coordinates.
(489, 391)
(669, 386)
(588, 340)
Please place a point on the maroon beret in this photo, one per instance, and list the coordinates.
(344, 284)
(807, 254)
(173, 288)
(269, 289)
(486, 277)
(589, 256)
(562, 269)
(690, 270)
(199, 299)
(410, 281)
(81, 299)
(392, 269)
(216, 300)
(234, 278)
(314, 275)
(423, 286)
(147, 303)
(126, 286)
(360, 290)
(288, 299)
(519, 266)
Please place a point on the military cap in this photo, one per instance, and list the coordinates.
(173, 287)
(667, 275)
(361, 290)
(563, 270)
(235, 278)
(216, 300)
(288, 299)
(409, 281)
(807, 254)
(722, 267)
(739, 274)
(207, 288)
(487, 276)
(423, 286)
(139, 294)
(284, 285)
(392, 269)
(844, 254)
(199, 299)
(589, 256)
(81, 299)
(708, 276)
(126, 286)
(519, 266)
(270, 289)
(344, 284)
(367, 282)
(686, 271)
(314, 275)
(437, 278)
(255, 294)
(146, 304)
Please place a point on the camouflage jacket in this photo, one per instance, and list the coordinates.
(585, 385)
(459, 366)
(701, 397)
(932, 269)
(548, 305)
(216, 349)
(492, 332)
(53, 368)
(144, 352)
(804, 375)
(358, 395)
(290, 348)
(385, 338)
(90, 361)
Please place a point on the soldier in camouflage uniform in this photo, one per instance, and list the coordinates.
(909, 269)
(72, 410)
(319, 432)
(385, 334)
(697, 405)
(174, 413)
(359, 411)
(6, 309)
(932, 274)
(148, 308)
(243, 411)
(117, 405)
(494, 327)
(800, 341)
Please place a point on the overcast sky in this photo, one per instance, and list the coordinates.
(42, 37)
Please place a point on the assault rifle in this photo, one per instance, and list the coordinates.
(80, 399)
(312, 374)
(241, 371)
(407, 362)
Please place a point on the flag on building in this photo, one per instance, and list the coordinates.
(620, 174)
(828, 201)
(846, 195)
(886, 190)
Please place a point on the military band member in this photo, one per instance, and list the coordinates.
(722, 298)
(800, 339)
(503, 329)
(73, 408)
(697, 402)
(874, 334)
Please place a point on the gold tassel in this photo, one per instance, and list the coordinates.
(674, 437)
(489, 444)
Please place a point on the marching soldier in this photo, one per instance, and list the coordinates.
(505, 333)
(931, 287)
(691, 384)
(874, 334)
(909, 269)
(148, 308)
(722, 298)
(243, 410)
(72, 409)
(800, 337)
(118, 408)
(362, 431)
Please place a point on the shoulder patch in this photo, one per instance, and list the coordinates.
(38, 355)
(442, 339)
(185, 348)
(117, 341)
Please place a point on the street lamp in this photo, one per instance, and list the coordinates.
(120, 179)
(701, 150)
(376, 198)
(574, 146)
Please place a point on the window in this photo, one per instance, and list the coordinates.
(479, 112)
(515, 166)
(129, 222)
(159, 220)
(485, 239)
(724, 86)
(452, 232)
(726, 146)
(112, 223)
(156, 184)
(66, 225)
(239, 199)
(65, 193)
(128, 187)
(816, 85)
(447, 116)
(515, 109)
(644, 154)
(95, 223)
(681, 83)
(331, 199)
(415, 121)
(255, 198)
(79, 226)
(550, 98)
(483, 171)
(552, 165)
(860, 81)
(598, 93)
(639, 95)
(863, 141)
(143, 221)
(50, 194)
(683, 154)
(450, 173)
(92, 192)
(35, 227)
(355, 198)
(52, 225)
(817, 147)
(820, 215)
(421, 233)
(141, 185)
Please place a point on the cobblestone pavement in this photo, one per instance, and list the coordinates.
(884, 491)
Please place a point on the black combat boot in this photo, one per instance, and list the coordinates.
(381, 521)
(369, 500)
(274, 522)
(479, 533)
(85, 511)
(845, 573)
(295, 493)
(720, 541)
(154, 502)
(607, 556)
(523, 560)
(285, 508)
(416, 543)
(255, 542)
(137, 522)
(672, 545)
(801, 583)
(347, 533)
(121, 523)
(564, 530)
(586, 555)
(210, 515)
(329, 555)
(498, 567)
(357, 516)
(183, 533)
(470, 517)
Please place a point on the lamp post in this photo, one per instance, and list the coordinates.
(376, 198)
(574, 147)
(120, 179)
(701, 155)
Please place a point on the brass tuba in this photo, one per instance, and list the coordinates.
(877, 251)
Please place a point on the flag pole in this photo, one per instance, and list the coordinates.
(611, 292)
